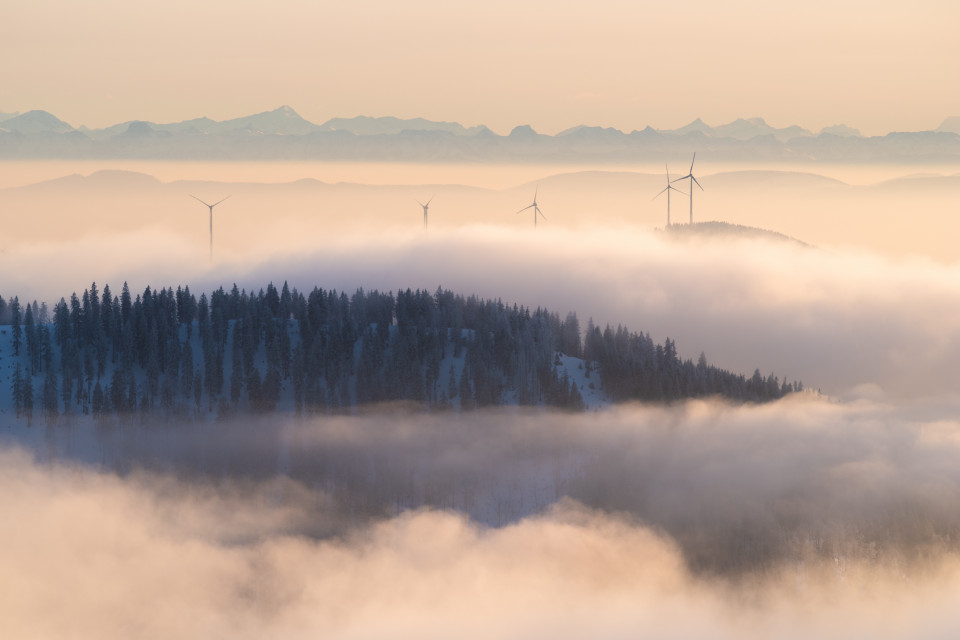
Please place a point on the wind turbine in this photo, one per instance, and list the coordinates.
(692, 180)
(426, 207)
(668, 189)
(536, 209)
(211, 218)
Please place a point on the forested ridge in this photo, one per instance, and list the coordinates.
(170, 354)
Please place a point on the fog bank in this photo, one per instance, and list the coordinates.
(835, 320)
(797, 519)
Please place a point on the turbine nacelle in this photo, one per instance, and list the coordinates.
(667, 189)
(693, 181)
(426, 208)
(211, 206)
(669, 186)
(206, 203)
(535, 207)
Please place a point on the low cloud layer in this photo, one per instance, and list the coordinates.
(835, 320)
(803, 518)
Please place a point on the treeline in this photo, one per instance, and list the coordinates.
(166, 352)
(632, 366)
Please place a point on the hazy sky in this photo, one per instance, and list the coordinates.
(878, 66)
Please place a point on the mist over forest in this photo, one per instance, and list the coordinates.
(516, 424)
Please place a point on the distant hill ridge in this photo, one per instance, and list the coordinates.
(285, 120)
(283, 134)
(716, 229)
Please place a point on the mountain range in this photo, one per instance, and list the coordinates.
(284, 134)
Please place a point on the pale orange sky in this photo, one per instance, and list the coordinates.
(878, 66)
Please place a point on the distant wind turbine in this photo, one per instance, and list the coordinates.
(426, 208)
(211, 218)
(692, 180)
(536, 209)
(668, 189)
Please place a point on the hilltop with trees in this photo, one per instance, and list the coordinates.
(167, 353)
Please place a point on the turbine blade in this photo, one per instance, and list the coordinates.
(683, 178)
(668, 172)
(198, 199)
(216, 203)
(431, 199)
(698, 183)
(525, 208)
(692, 161)
(666, 188)
(537, 210)
(420, 203)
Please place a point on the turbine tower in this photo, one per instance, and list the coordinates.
(211, 206)
(668, 189)
(536, 208)
(426, 208)
(692, 180)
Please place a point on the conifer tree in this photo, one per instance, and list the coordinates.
(33, 341)
(17, 390)
(236, 368)
(28, 398)
(186, 371)
(96, 404)
(125, 303)
(17, 332)
(198, 389)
